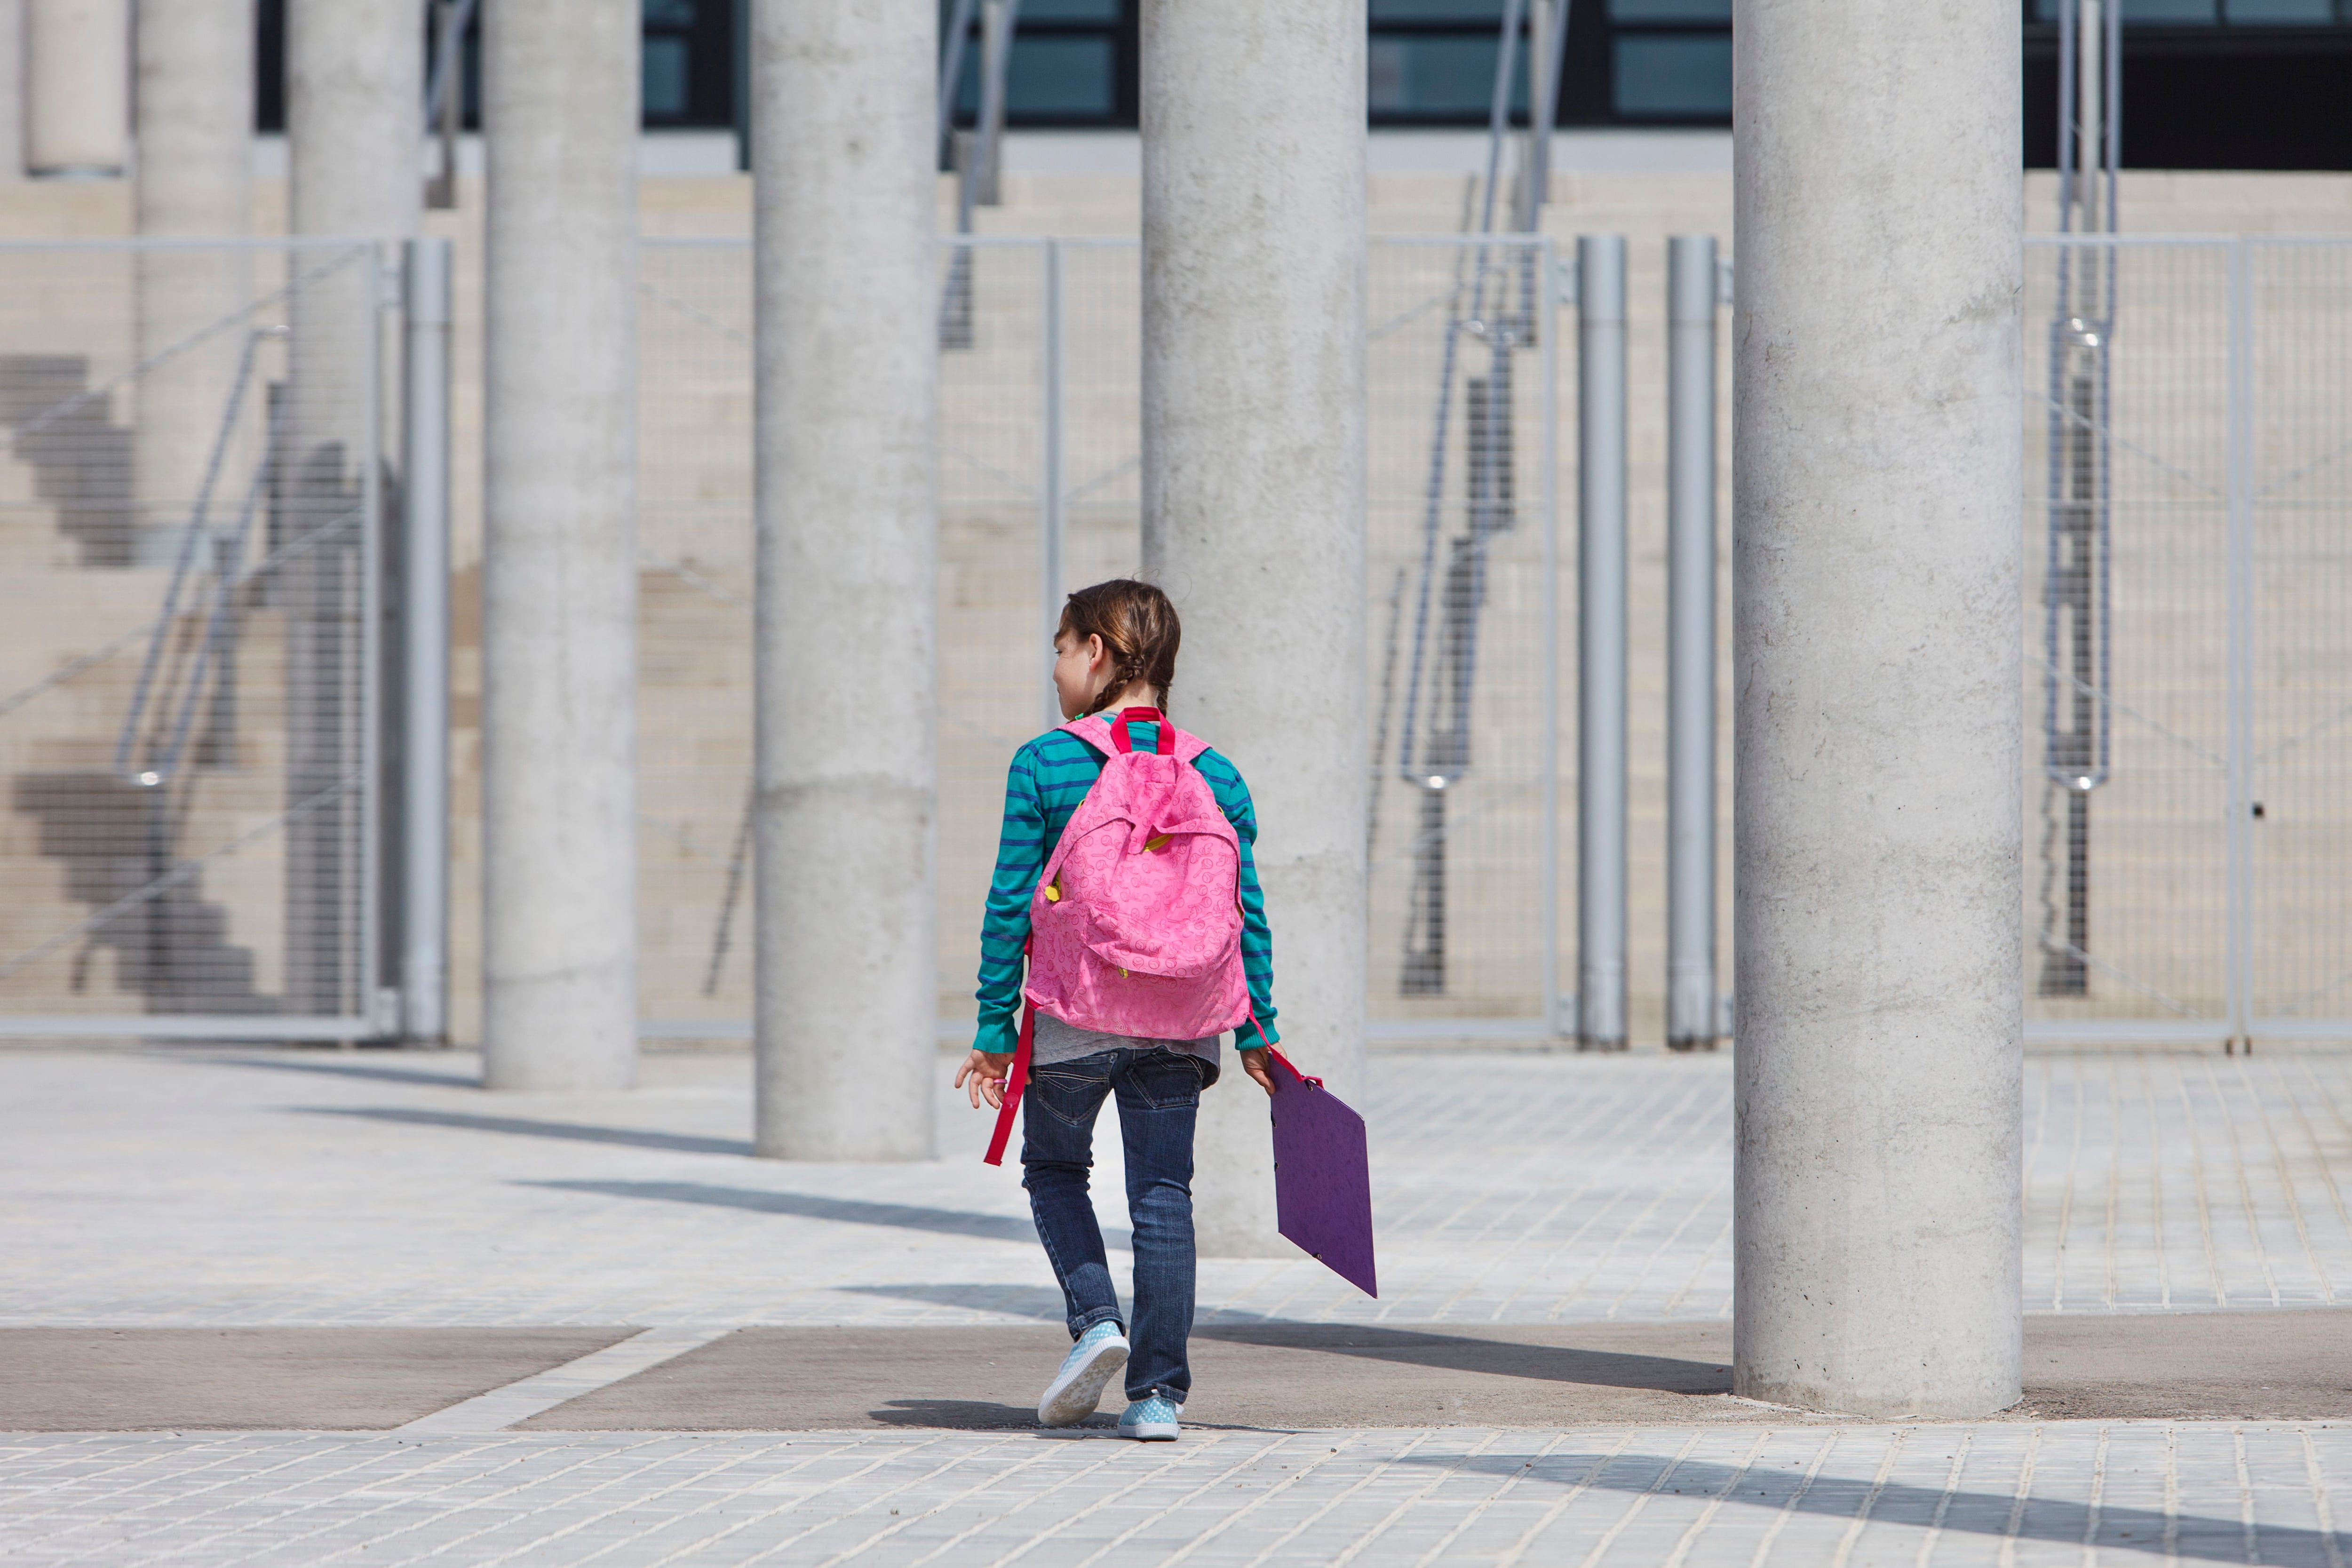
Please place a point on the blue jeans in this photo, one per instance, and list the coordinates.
(1159, 1100)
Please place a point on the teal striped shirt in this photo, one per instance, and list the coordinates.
(1048, 778)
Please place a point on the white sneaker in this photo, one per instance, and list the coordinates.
(1078, 1388)
(1152, 1420)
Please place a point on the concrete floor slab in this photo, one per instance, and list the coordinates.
(316, 1379)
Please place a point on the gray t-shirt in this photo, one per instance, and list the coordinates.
(1058, 1042)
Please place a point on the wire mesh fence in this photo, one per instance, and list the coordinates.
(188, 688)
(1040, 471)
(2187, 656)
(191, 689)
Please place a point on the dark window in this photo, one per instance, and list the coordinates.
(2208, 84)
(1665, 76)
(1446, 78)
(2212, 84)
(686, 66)
(1074, 64)
(1670, 11)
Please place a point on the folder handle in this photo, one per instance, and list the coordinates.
(1310, 1083)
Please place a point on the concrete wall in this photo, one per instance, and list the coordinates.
(696, 664)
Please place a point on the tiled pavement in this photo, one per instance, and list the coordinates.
(206, 1187)
(201, 1188)
(2076, 1494)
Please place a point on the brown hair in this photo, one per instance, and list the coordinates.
(1136, 624)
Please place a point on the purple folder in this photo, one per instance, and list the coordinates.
(1322, 1178)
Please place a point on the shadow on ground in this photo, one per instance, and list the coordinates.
(850, 1211)
(2091, 1528)
(1268, 1376)
(523, 1127)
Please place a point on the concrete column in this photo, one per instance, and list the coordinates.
(354, 76)
(77, 85)
(1876, 636)
(559, 568)
(354, 125)
(847, 302)
(195, 177)
(1254, 498)
(13, 106)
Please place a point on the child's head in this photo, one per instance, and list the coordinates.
(1114, 636)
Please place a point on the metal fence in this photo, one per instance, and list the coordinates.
(189, 683)
(1040, 491)
(196, 681)
(2189, 661)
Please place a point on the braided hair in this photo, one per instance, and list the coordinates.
(1136, 624)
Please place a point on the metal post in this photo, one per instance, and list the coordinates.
(1690, 642)
(997, 20)
(424, 653)
(1050, 522)
(1548, 342)
(951, 46)
(361, 909)
(2238, 921)
(1600, 674)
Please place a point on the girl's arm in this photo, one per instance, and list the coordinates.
(1257, 939)
(1004, 930)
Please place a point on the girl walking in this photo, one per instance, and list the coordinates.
(1150, 941)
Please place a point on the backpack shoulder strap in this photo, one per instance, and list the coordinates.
(1190, 747)
(1095, 731)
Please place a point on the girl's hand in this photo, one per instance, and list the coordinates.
(1260, 1066)
(986, 1072)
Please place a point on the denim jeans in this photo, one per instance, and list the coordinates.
(1159, 1095)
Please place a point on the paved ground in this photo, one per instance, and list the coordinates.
(245, 1188)
(1627, 1496)
(2229, 1366)
(1555, 1235)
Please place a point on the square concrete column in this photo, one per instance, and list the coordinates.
(560, 544)
(847, 300)
(77, 89)
(1877, 634)
(1254, 256)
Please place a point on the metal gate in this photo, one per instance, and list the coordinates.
(189, 685)
(2188, 789)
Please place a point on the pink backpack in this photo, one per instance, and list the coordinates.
(1135, 927)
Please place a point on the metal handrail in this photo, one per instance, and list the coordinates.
(193, 533)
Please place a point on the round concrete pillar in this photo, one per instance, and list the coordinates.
(195, 181)
(1253, 499)
(558, 556)
(1877, 488)
(77, 85)
(354, 116)
(847, 302)
(13, 108)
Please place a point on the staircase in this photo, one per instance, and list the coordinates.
(75, 837)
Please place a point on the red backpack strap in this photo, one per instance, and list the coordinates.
(1015, 1081)
(1170, 742)
(1122, 732)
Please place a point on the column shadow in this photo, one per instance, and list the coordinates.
(1975, 1513)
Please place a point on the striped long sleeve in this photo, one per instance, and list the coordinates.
(1043, 789)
